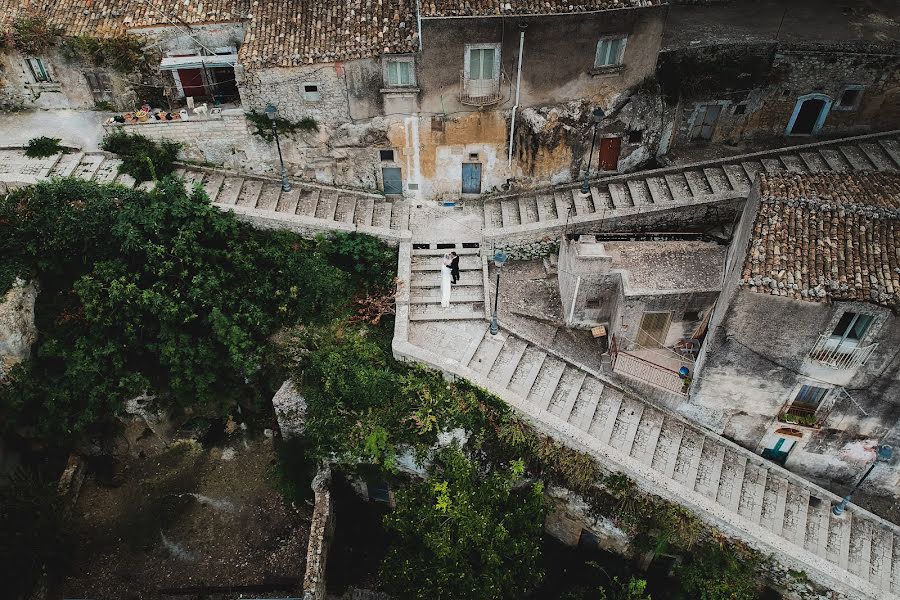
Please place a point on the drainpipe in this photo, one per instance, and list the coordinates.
(512, 121)
(419, 24)
(574, 298)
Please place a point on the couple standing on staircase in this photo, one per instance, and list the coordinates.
(449, 275)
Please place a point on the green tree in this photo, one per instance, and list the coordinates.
(465, 534)
(713, 573)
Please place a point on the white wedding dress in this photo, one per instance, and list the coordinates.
(445, 284)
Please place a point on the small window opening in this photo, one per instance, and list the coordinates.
(592, 303)
(635, 137)
(692, 315)
(386, 155)
(740, 109)
(849, 98)
(785, 93)
(379, 492)
(311, 92)
(473, 156)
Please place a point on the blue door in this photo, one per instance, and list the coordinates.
(393, 184)
(471, 178)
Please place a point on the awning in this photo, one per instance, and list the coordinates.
(172, 63)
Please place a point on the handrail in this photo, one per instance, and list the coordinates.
(839, 358)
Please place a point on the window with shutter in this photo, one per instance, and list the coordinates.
(100, 85)
(38, 71)
(399, 73)
(610, 51)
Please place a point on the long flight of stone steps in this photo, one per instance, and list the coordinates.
(704, 182)
(734, 489)
(306, 207)
(466, 297)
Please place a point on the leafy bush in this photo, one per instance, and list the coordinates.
(713, 573)
(142, 158)
(285, 127)
(34, 34)
(124, 53)
(465, 534)
(42, 147)
(150, 291)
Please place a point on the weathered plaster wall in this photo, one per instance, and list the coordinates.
(68, 87)
(202, 36)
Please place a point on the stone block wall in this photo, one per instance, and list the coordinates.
(321, 531)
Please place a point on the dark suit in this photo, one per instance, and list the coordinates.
(454, 269)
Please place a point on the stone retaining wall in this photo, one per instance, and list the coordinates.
(321, 530)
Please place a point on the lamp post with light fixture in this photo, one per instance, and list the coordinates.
(272, 113)
(883, 454)
(596, 116)
(499, 261)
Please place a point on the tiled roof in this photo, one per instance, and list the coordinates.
(827, 236)
(106, 18)
(295, 32)
(459, 8)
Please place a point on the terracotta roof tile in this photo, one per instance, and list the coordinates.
(827, 237)
(295, 32)
(107, 18)
(456, 8)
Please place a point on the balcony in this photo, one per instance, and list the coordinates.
(479, 92)
(840, 356)
(798, 414)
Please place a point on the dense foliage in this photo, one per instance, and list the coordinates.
(465, 533)
(142, 158)
(715, 573)
(124, 53)
(42, 147)
(154, 291)
(33, 34)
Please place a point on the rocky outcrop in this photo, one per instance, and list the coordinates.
(17, 329)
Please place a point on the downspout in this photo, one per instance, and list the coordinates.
(512, 121)
(419, 24)
(574, 298)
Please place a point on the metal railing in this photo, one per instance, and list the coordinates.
(799, 414)
(478, 92)
(840, 356)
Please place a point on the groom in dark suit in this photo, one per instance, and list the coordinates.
(454, 267)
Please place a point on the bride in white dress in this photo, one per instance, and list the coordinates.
(445, 280)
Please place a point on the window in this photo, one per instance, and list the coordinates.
(100, 85)
(38, 71)
(740, 109)
(692, 316)
(635, 136)
(480, 83)
(609, 52)
(481, 63)
(809, 397)
(849, 97)
(399, 73)
(386, 155)
(311, 92)
(379, 492)
(849, 331)
(473, 156)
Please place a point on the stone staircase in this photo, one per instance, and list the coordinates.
(664, 189)
(730, 487)
(307, 208)
(466, 297)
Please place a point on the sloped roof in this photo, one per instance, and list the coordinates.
(295, 32)
(109, 18)
(483, 8)
(827, 237)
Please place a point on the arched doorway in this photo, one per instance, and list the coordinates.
(809, 115)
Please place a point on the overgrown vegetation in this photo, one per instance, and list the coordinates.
(32, 34)
(264, 125)
(715, 572)
(124, 53)
(142, 158)
(42, 147)
(465, 533)
(156, 292)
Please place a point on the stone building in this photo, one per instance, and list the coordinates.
(457, 98)
(800, 363)
(63, 54)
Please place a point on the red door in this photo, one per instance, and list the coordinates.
(192, 82)
(609, 153)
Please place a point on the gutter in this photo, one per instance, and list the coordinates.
(512, 121)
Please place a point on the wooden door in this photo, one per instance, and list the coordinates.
(192, 82)
(609, 153)
(393, 183)
(471, 178)
(654, 328)
(705, 121)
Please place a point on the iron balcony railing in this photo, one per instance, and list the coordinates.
(478, 92)
(840, 356)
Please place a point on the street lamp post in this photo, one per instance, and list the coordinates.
(499, 260)
(883, 455)
(272, 112)
(596, 115)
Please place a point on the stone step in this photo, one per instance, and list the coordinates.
(327, 205)
(546, 207)
(365, 210)
(891, 147)
(308, 202)
(640, 193)
(882, 558)
(107, 171)
(399, 215)
(565, 209)
(838, 530)
(487, 352)
(124, 179)
(493, 216)
(731, 480)
(709, 469)
(192, 178)
(626, 425)
(678, 187)
(877, 156)
(835, 159)
(432, 295)
(659, 190)
(859, 555)
(795, 525)
(566, 390)
(66, 165)
(794, 163)
(249, 194)
(773, 165)
(546, 382)
(601, 199)
(289, 201)
(440, 249)
(621, 197)
(605, 416)
(230, 190)
(717, 179)
(432, 279)
(856, 158)
(346, 208)
(752, 168)
(381, 214)
(737, 177)
(456, 311)
(269, 197)
(528, 210)
(815, 162)
(750, 503)
(687, 459)
(666, 452)
(816, 525)
(582, 413)
(580, 203)
(697, 183)
(212, 183)
(507, 362)
(509, 211)
(647, 435)
(527, 371)
(467, 262)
